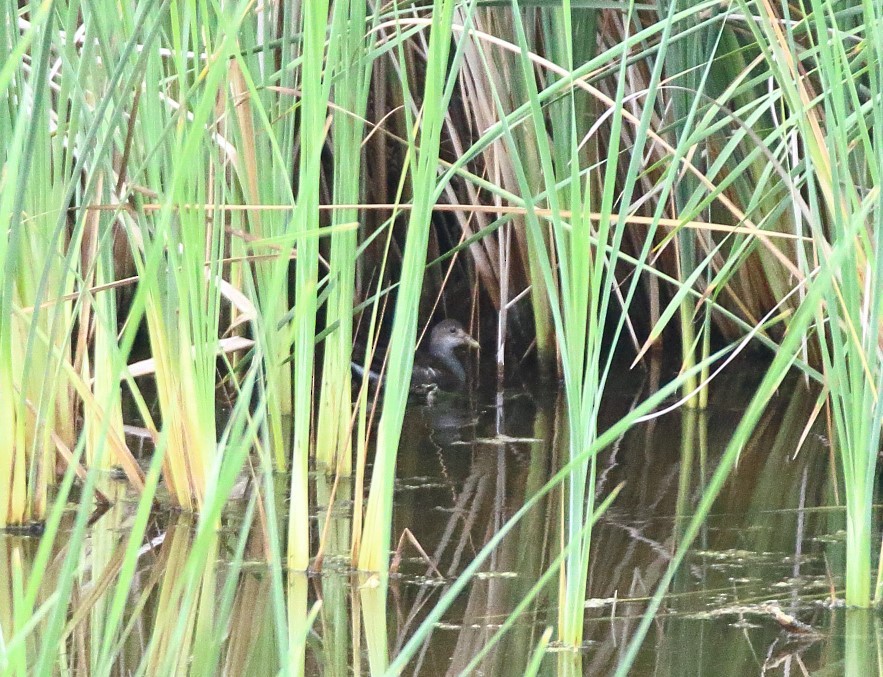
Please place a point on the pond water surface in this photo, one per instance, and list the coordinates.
(768, 551)
(759, 592)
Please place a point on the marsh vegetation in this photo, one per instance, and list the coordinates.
(210, 210)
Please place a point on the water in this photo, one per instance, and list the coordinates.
(766, 540)
(773, 549)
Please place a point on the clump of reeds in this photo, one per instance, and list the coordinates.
(706, 176)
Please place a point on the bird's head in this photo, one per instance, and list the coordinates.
(450, 334)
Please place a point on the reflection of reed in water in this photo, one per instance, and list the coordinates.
(753, 542)
(490, 461)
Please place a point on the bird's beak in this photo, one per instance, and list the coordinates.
(471, 342)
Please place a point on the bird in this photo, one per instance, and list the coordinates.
(438, 367)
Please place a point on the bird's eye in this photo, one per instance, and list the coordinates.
(453, 330)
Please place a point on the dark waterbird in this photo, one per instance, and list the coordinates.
(438, 366)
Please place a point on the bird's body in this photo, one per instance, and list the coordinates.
(438, 366)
